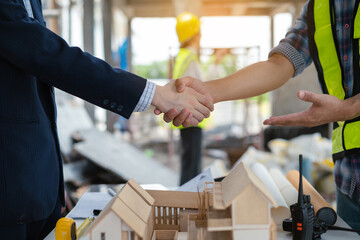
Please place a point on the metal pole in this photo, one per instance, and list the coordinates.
(129, 33)
(88, 38)
(88, 26)
(107, 19)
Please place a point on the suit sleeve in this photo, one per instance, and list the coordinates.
(31, 47)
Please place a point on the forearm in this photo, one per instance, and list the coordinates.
(253, 80)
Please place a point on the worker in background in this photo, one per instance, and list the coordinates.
(187, 63)
(326, 33)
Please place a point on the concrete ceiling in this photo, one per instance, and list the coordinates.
(171, 8)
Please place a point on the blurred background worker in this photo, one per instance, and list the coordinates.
(187, 63)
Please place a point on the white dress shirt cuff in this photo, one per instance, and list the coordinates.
(146, 97)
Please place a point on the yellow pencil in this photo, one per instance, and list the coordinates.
(81, 229)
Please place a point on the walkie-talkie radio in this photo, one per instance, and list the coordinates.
(302, 223)
(302, 213)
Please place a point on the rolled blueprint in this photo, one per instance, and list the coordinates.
(282, 211)
(316, 199)
(287, 190)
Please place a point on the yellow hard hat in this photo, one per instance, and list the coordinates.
(187, 26)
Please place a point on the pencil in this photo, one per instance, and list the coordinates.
(81, 229)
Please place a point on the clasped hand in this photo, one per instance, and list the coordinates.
(182, 105)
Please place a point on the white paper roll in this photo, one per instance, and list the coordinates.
(282, 211)
(287, 190)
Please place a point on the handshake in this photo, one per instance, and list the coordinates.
(185, 101)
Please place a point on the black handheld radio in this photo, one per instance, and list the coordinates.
(302, 223)
(302, 213)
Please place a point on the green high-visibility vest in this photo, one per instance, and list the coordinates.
(325, 53)
(182, 62)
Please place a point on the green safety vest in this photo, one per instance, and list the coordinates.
(182, 62)
(325, 53)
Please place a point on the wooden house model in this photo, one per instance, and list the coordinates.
(138, 214)
(238, 207)
(128, 215)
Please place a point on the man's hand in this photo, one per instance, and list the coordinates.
(184, 118)
(324, 109)
(195, 84)
(192, 106)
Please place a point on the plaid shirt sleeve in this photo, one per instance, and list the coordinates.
(295, 45)
(146, 97)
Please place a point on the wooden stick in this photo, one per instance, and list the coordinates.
(164, 215)
(176, 216)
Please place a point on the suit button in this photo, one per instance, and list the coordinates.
(106, 101)
(120, 108)
(113, 105)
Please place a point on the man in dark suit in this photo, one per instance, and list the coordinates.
(33, 61)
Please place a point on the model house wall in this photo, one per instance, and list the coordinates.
(105, 228)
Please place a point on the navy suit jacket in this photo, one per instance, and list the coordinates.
(33, 60)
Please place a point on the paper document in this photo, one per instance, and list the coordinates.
(198, 181)
(87, 203)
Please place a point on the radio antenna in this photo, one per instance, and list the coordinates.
(300, 194)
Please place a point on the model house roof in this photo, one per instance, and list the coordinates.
(133, 205)
(226, 192)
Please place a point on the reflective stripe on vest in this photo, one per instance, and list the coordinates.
(323, 47)
(182, 62)
(326, 49)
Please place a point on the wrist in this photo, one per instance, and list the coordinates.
(156, 101)
(351, 108)
(211, 89)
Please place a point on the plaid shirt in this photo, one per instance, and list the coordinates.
(295, 46)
